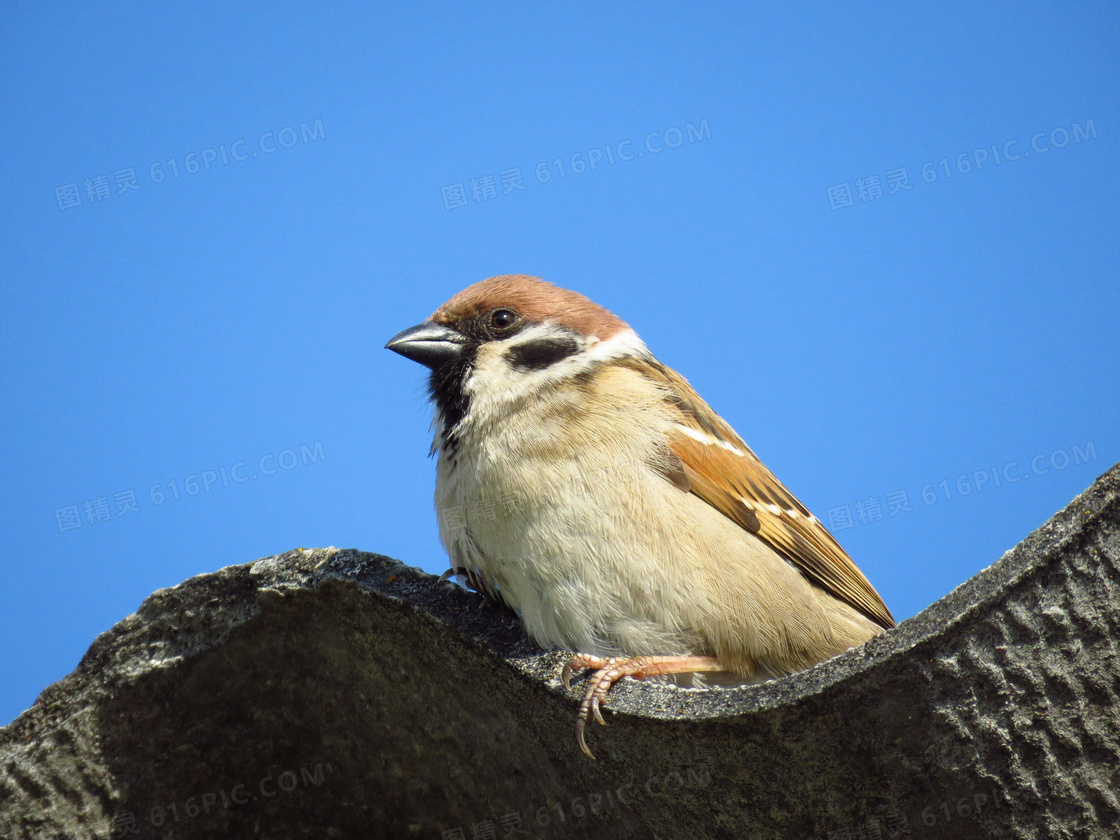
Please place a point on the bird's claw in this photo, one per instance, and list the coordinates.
(566, 676)
(595, 698)
(609, 671)
(595, 709)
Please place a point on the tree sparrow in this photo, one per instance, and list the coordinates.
(588, 487)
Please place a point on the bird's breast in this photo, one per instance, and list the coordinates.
(562, 541)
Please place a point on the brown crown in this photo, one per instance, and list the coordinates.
(535, 300)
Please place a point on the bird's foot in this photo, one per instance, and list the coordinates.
(610, 670)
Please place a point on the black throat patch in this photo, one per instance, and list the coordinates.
(451, 400)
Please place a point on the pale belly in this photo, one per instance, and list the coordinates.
(567, 556)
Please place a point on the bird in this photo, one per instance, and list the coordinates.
(589, 488)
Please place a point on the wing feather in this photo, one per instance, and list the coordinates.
(724, 472)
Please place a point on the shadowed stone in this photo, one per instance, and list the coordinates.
(332, 693)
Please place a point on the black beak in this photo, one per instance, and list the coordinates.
(428, 344)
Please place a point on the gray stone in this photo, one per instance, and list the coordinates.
(333, 693)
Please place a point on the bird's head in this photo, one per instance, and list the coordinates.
(509, 337)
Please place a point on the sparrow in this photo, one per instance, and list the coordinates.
(589, 488)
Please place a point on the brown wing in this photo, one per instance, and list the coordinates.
(724, 472)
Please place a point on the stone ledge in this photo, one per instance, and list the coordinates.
(335, 693)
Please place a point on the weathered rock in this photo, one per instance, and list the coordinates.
(325, 693)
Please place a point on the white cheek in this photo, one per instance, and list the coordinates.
(494, 386)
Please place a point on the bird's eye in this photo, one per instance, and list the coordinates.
(503, 319)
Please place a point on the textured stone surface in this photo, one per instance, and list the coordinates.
(327, 693)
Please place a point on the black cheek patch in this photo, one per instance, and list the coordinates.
(537, 355)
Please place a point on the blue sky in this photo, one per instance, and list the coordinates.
(880, 242)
